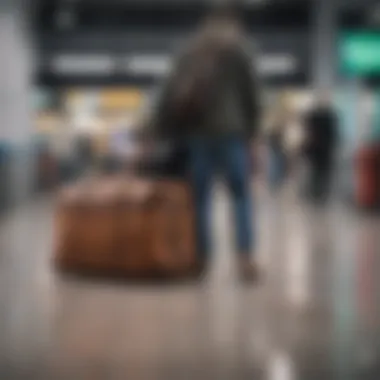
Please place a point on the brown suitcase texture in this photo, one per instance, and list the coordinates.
(127, 227)
(85, 226)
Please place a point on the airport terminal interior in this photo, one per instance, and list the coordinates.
(80, 81)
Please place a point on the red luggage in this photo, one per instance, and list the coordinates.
(368, 177)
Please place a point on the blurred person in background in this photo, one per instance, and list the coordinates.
(84, 152)
(321, 139)
(211, 102)
(276, 144)
(124, 143)
(64, 149)
(294, 138)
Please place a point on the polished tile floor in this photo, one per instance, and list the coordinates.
(315, 316)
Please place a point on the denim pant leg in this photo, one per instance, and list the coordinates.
(201, 169)
(276, 167)
(236, 167)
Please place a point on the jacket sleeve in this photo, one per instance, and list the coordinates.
(160, 126)
(249, 88)
(163, 124)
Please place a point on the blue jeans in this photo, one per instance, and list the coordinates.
(276, 167)
(230, 157)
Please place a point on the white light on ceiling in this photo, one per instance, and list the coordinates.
(277, 64)
(82, 65)
(149, 64)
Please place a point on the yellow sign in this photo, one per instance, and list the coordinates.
(121, 99)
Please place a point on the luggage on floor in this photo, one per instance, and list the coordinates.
(127, 227)
(368, 177)
(85, 227)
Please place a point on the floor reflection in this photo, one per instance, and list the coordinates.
(280, 367)
(315, 316)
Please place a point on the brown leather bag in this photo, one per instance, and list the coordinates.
(85, 227)
(173, 241)
(134, 228)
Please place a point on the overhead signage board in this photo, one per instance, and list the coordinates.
(154, 65)
(359, 53)
(132, 59)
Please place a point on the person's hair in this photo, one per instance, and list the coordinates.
(229, 11)
(211, 35)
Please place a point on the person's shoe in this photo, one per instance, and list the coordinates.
(248, 270)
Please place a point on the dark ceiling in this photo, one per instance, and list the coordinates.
(163, 14)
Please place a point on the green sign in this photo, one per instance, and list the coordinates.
(359, 53)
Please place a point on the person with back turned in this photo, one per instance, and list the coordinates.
(211, 102)
(321, 142)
